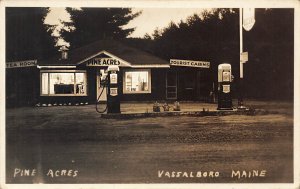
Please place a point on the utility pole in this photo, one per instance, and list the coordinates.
(240, 97)
(247, 20)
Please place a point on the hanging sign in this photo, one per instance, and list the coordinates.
(189, 63)
(103, 62)
(244, 57)
(248, 18)
(20, 64)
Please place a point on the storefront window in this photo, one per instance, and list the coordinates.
(80, 83)
(137, 81)
(63, 83)
(44, 83)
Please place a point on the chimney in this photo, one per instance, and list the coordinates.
(64, 53)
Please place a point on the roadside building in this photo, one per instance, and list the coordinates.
(75, 76)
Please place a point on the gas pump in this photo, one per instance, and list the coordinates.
(113, 96)
(109, 81)
(224, 87)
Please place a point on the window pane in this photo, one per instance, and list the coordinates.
(61, 83)
(136, 81)
(44, 83)
(80, 83)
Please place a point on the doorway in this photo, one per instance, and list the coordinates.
(100, 88)
(187, 84)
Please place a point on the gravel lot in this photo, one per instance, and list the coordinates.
(137, 150)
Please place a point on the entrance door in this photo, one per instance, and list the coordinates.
(100, 87)
(187, 84)
(171, 85)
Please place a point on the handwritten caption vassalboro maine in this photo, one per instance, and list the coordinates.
(236, 174)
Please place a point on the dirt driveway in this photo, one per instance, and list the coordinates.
(74, 145)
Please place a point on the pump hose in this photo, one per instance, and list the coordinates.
(101, 112)
(97, 100)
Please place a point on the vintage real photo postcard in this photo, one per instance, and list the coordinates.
(155, 92)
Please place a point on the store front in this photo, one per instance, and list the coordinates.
(77, 76)
(79, 79)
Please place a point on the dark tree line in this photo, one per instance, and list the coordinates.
(270, 71)
(27, 37)
(214, 36)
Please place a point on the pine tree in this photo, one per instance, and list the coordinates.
(91, 24)
(27, 37)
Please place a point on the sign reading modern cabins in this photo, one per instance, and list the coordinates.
(103, 62)
(189, 63)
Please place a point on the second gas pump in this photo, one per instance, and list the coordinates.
(113, 90)
(224, 87)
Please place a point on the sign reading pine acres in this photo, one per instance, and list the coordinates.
(103, 62)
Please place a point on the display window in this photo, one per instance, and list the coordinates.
(137, 81)
(63, 83)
